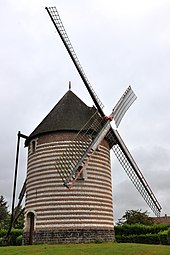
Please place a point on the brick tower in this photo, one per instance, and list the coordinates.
(52, 213)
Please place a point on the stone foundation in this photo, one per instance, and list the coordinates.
(70, 236)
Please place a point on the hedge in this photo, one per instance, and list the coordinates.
(15, 237)
(137, 233)
(139, 229)
(163, 237)
(145, 239)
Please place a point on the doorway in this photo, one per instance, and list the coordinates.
(31, 221)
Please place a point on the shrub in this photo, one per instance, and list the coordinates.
(145, 239)
(139, 233)
(168, 235)
(163, 237)
(156, 228)
(1, 241)
(3, 232)
(14, 234)
(139, 229)
(134, 229)
(19, 240)
(148, 239)
(13, 238)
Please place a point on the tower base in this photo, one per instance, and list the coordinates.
(69, 236)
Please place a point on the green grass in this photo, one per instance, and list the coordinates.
(87, 249)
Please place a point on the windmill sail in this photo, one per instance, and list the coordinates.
(54, 15)
(123, 105)
(134, 173)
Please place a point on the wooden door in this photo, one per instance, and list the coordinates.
(31, 227)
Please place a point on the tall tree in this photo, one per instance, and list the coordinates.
(4, 214)
(19, 223)
(135, 217)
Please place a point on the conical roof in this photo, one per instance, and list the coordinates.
(69, 114)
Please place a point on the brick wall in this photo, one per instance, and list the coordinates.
(71, 236)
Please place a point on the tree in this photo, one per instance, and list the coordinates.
(19, 223)
(135, 217)
(4, 214)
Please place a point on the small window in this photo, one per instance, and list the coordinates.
(33, 146)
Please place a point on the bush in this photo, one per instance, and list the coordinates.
(19, 240)
(138, 233)
(168, 235)
(145, 239)
(14, 238)
(139, 229)
(134, 229)
(15, 233)
(156, 228)
(163, 237)
(1, 241)
(3, 232)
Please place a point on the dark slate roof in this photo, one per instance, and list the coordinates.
(69, 114)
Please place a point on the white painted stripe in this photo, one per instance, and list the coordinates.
(94, 187)
(95, 206)
(73, 212)
(70, 198)
(65, 221)
(51, 178)
(77, 188)
(91, 225)
(90, 194)
(51, 171)
(51, 167)
(73, 217)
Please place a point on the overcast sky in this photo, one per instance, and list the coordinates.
(119, 43)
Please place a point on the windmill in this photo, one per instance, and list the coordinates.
(71, 146)
(69, 167)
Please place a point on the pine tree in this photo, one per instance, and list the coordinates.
(4, 214)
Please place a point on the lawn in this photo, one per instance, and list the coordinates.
(85, 249)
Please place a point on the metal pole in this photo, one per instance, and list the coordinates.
(14, 183)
